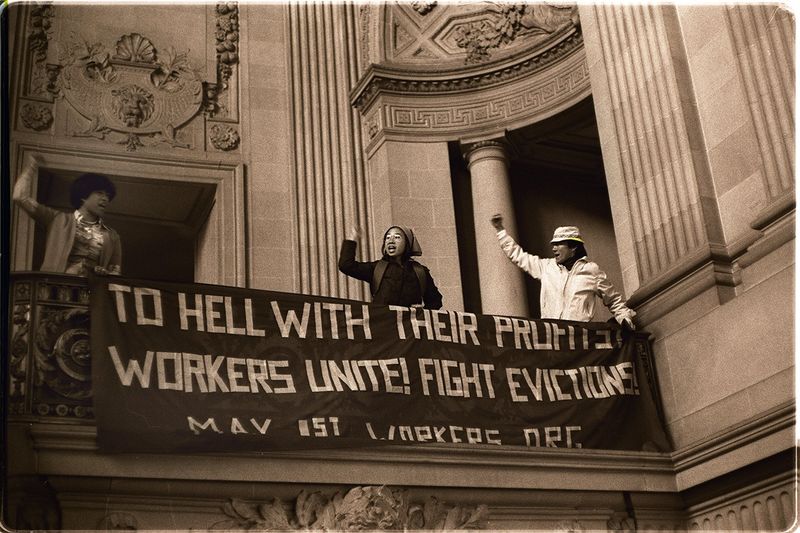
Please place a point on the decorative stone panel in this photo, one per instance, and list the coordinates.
(137, 97)
(361, 508)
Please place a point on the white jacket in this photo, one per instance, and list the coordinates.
(567, 294)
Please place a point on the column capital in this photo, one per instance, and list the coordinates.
(485, 149)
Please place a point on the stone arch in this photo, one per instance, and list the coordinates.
(446, 72)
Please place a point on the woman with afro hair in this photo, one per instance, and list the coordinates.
(78, 242)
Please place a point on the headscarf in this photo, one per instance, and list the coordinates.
(412, 245)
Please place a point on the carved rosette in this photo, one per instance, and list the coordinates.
(138, 97)
(423, 7)
(224, 137)
(366, 508)
(35, 116)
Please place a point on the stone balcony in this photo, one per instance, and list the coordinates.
(57, 478)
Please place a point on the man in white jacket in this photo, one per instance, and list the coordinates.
(571, 283)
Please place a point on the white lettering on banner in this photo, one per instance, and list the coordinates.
(119, 299)
(139, 294)
(289, 324)
(236, 427)
(453, 378)
(133, 368)
(552, 437)
(196, 426)
(383, 375)
(428, 433)
(437, 324)
(202, 314)
(551, 384)
(181, 371)
(540, 335)
(320, 426)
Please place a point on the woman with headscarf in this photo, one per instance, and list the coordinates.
(395, 279)
(78, 242)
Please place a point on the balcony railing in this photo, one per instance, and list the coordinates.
(49, 354)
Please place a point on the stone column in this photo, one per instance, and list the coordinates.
(502, 283)
(329, 179)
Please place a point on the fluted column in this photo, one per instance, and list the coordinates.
(329, 170)
(502, 283)
(763, 38)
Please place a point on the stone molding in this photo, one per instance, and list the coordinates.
(381, 79)
(523, 468)
(480, 113)
(715, 265)
(767, 505)
(748, 433)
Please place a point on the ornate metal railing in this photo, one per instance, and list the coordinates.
(49, 353)
(50, 360)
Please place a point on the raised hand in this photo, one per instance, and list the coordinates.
(497, 221)
(354, 233)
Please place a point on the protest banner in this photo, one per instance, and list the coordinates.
(192, 367)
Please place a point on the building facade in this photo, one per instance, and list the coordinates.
(245, 140)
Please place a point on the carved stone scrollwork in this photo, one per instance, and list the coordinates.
(569, 526)
(36, 117)
(224, 137)
(621, 525)
(118, 521)
(480, 38)
(359, 509)
(137, 98)
(62, 355)
(18, 356)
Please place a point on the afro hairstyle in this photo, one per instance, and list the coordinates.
(86, 184)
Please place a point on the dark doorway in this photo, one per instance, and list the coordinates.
(158, 221)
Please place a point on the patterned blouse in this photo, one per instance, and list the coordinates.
(89, 239)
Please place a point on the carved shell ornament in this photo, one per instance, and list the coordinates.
(135, 91)
(135, 48)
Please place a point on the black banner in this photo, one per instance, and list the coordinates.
(191, 367)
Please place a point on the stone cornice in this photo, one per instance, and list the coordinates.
(379, 79)
(769, 432)
(478, 466)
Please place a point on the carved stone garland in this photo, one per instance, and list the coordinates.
(366, 508)
(39, 30)
(137, 98)
(227, 47)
